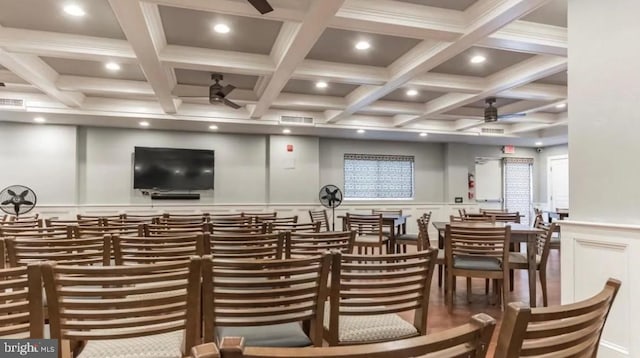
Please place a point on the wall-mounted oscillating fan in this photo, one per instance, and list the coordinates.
(331, 197)
(17, 200)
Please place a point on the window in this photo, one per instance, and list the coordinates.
(378, 176)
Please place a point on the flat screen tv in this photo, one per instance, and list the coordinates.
(173, 169)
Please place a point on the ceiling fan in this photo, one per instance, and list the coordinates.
(218, 92)
(261, 5)
(491, 112)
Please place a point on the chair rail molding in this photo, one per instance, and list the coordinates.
(591, 253)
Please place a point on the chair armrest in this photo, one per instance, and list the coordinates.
(207, 350)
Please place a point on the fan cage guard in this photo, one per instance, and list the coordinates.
(9, 201)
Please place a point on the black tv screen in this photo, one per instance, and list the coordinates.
(173, 169)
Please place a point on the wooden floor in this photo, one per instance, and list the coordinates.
(440, 319)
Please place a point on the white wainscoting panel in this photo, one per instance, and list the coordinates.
(593, 252)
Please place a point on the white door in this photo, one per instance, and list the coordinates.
(559, 183)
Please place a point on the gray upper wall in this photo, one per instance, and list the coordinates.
(69, 165)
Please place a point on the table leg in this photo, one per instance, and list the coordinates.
(531, 258)
(392, 237)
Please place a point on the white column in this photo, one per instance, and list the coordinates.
(602, 237)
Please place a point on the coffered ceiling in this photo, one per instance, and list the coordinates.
(389, 66)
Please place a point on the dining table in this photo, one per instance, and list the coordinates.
(397, 225)
(558, 214)
(519, 233)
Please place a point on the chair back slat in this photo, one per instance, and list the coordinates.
(572, 330)
(173, 229)
(84, 231)
(23, 222)
(278, 220)
(368, 225)
(37, 232)
(239, 228)
(468, 340)
(477, 242)
(505, 217)
(65, 223)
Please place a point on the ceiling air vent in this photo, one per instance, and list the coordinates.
(11, 103)
(492, 131)
(301, 121)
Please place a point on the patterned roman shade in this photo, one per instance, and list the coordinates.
(518, 186)
(368, 176)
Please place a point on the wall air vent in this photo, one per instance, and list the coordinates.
(294, 120)
(11, 103)
(492, 131)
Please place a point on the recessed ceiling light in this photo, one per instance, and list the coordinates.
(321, 84)
(39, 120)
(538, 143)
(286, 131)
(478, 59)
(112, 66)
(144, 124)
(361, 131)
(412, 92)
(363, 45)
(221, 28)
(213, 127)
(424, 134)
(74, 10)
(561, 105)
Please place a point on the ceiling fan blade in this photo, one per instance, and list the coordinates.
(512, 115)
(261, 5)
(230, 104)
(226, 90)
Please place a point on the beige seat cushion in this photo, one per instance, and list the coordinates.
(521, 258)
(477, 263)
(165, 345)
(385, 327)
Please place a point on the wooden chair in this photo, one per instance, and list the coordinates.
(571, 330)
(468, 340)
(37, 232)
(182, 221)
(65, 223)
(256, 216)
(492, 211)
(478, 218)
(21, 303)
(423, 227)
(321, 217)
(247, 246)
(185, 216)
(248, 228)
(418, 240)
(505, 217)
(519, 261)
(265, 301)
(174, 229)
(24, 223)
(141, 218)
(134, 250)
(391, 212)
(23, 218)
(481, 252)
(102, 218)
(368, 292)
(143, 310)
(303, 244)
(306, 227)
(85, 251)
(91, 231)
(369, 229)
(279, 220)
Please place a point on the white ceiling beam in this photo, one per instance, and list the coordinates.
(341, 72)
(292, 46)
(530, 37)
(7, 76)
(528, 107)
(536, 92)
(491, 16)
(103, 85)
(464, 124)
(35, 71)
(441, 82)
(524, 72)
(216, 60)
(139, 22)
(291, 10)
(62, 45)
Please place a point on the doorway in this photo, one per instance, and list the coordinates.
(558, 182)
